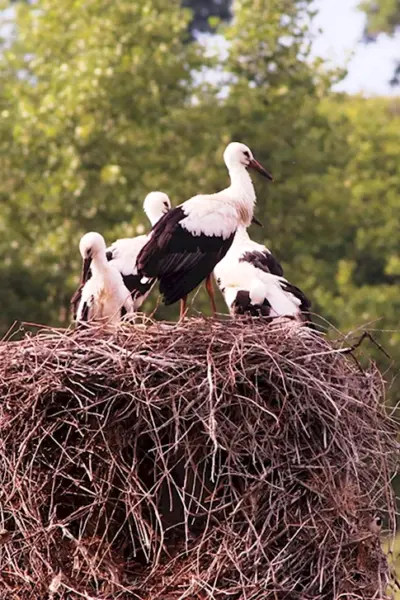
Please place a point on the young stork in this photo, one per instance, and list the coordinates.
(123, 253)
(103, 296)
(186, 243)
(251, 281)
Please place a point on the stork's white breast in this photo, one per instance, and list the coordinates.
(210, 216)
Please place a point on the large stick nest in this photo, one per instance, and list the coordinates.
(207, 460)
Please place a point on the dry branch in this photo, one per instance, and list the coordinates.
(207, 460)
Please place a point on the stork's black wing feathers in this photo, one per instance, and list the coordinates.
(179, 259)
(292, 289)
(85, 312)
(305, 302)
(75, 300)
(136, 287)
(86, 274)
(178, 283)
(263, 260)
(149, 257)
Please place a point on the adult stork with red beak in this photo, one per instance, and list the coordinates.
(187, 242)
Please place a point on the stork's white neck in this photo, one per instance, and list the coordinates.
(241, 235)
(242, 192)
(154, 214)
(99, 262)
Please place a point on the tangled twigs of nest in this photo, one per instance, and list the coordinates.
(206, 460)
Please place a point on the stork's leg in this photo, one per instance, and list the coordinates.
(210, 290)
(182, 308)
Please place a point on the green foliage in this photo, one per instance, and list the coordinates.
(91, 95)
(207, 14)
(392, 547)
(383, 16)
(332, 214)
(102, 103)
(367, 277)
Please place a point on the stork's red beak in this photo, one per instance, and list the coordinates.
(254, 164)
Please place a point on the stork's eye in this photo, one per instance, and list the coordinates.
(246, 153)
(166, 204)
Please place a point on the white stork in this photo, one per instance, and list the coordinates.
(186, 243)
(123, 253)
(251, 281)
(104, 296)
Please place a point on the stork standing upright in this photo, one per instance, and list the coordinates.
(104, 296)
(123, 253)
(186, 243)
(250, 279)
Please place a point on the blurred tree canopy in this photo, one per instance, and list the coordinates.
(101, 103)
(383, 16)
(206, 14)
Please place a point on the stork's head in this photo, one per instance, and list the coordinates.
(238, 155)
(155, 205)
(92, 244)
